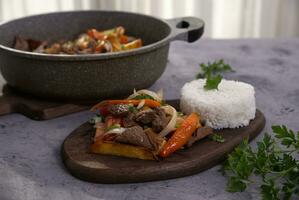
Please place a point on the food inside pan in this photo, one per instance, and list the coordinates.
(91, 42)
(144, 127)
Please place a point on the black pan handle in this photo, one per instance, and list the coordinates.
(187, 29)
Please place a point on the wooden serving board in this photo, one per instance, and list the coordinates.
(111, 169)
(12, 101)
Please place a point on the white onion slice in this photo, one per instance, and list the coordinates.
(147, 92)
(150, 93)
(117, 131)
(171, 124)
(169, 110)
(160, 94)
(141, 104)
(135, 94)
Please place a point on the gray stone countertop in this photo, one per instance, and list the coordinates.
(30, 162)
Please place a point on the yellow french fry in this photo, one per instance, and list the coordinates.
(123, 150)
(133, 45)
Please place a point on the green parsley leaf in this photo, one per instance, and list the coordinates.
(178, 125)
(133, 109)
(180, 114)
(287, 136)
(269, 190)
(214, 68)
(212, 71)
(217, 138)
(212, 82)
(276, 167)
(235, 184)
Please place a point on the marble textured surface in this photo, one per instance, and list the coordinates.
(30, 163)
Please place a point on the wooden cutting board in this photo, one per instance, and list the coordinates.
(35, 108)
(111, 169)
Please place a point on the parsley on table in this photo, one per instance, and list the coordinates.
(212, 71)
(276, 166)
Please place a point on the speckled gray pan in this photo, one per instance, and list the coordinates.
(90, 77)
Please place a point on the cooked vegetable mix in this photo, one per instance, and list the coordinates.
(143, 127)
(182, 135)
(91, 42)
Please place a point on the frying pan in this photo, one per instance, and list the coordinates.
(92, 76)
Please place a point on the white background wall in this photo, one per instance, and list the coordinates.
(224, 18)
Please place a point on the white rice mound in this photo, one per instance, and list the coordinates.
(231, 106)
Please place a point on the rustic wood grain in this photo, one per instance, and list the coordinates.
(38, 109)
(111, 169)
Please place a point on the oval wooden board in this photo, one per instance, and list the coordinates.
(111, 169)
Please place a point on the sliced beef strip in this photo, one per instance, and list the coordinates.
(160, 121)
(41, 47)
(145, 116)
(156, 140)
(199, 134)
(136, 136)
(119, 110)
(24, 44)
(34, 44)
(21, 44)
(128, 121)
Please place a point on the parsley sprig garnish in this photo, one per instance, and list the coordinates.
(217, 138)
(212, 71)
(276, 165)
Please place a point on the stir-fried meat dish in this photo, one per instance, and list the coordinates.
(91, 42)
(143, 127)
